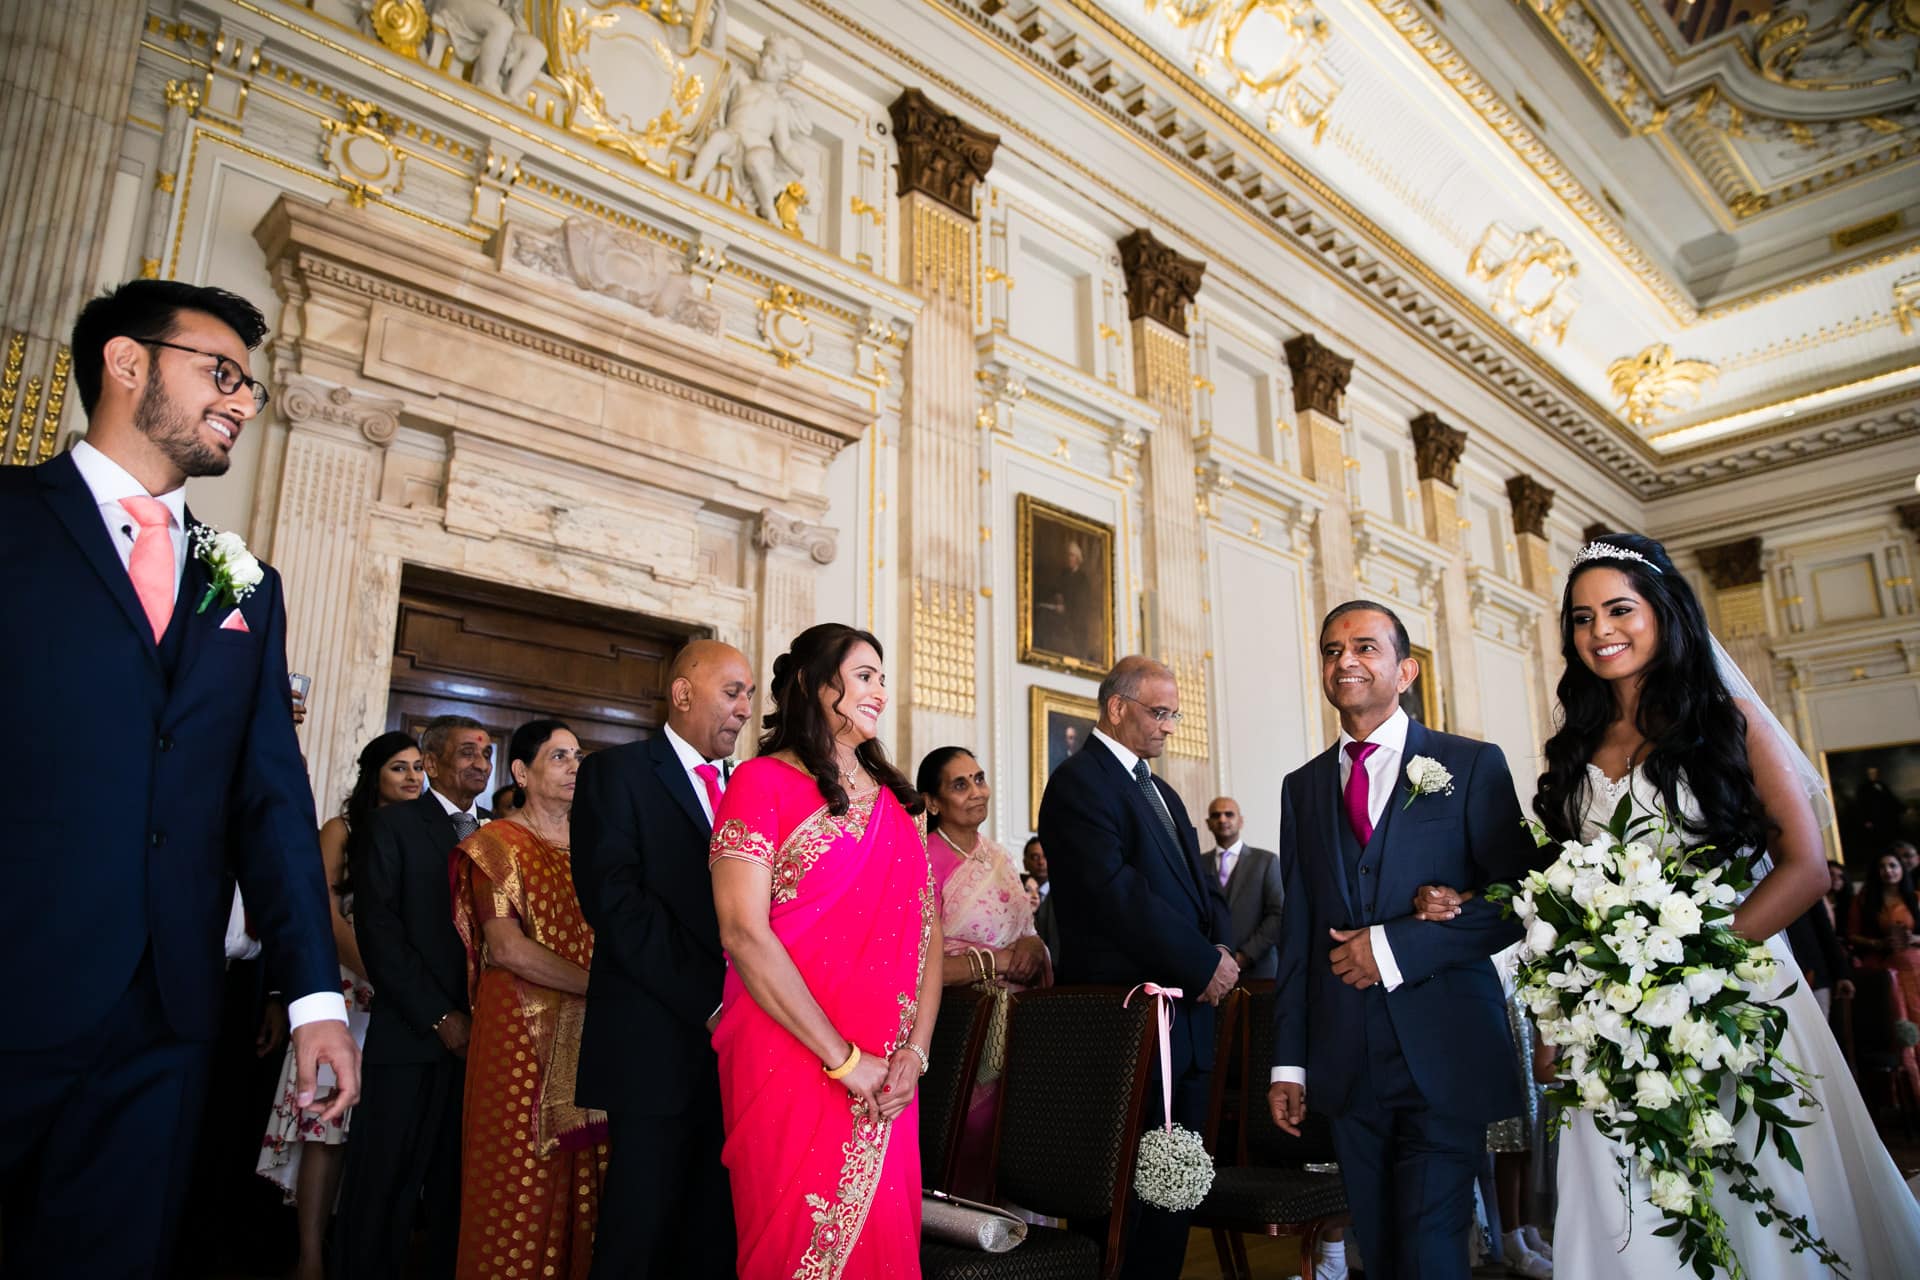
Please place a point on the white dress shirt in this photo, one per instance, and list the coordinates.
(453, 808)
(109, 482)
(241, 945)
(691, 760)
(1382, 766)
(1228, 857)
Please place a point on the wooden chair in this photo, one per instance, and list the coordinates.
(958, 1036)
(1067, 1132)
(1270, 1191)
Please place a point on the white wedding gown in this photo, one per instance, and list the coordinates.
(1851, 1194)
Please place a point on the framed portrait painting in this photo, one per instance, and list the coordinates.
(1065, 588)
(1421, 699)
(1058, 725)
(1876, 799)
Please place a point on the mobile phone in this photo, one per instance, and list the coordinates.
(300, 684)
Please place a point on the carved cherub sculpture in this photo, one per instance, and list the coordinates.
(488, 34)
(759, 121)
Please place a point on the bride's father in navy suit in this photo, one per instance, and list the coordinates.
(1398, 1026)
(1134, 904)
(150, 743)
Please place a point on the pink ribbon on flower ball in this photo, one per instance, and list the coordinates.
(1164, 996)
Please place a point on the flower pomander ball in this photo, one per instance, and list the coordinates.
(1173, 1169)
(1906, 1033)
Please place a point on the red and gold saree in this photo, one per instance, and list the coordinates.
(531, 1163)
(819, 1192)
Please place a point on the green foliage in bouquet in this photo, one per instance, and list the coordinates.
(1665, 1019)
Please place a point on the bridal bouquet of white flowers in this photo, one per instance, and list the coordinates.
(1660, 1014)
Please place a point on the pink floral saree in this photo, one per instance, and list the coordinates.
(818, 1192)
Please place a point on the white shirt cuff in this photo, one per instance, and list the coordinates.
(1383, 957)
(1289, 1075)
(321, 1006)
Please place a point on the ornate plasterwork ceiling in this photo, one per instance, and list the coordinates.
(1624, 192)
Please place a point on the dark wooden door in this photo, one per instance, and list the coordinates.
(505, 656)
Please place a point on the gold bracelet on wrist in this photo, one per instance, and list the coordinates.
(919, 1053)
(853, 1060)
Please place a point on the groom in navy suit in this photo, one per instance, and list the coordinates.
(150, 740)
(1399, 1023)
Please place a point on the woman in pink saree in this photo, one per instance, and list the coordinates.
(986, 920)
(828, 914)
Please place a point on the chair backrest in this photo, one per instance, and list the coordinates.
(1070, 1103)
(958, 1034)
(1226, 1097)
(1261, 1139)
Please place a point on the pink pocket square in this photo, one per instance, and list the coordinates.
(235, 622)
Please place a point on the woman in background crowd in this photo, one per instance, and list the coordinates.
(531, 1162)
(827, 912)
(986, 918)
(1881, 935)
(300, 1152)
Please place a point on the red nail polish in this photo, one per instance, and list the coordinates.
(887, 1088)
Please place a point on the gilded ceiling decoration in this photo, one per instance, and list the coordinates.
(1264, 56)
(1528, 277)
(1654, 384)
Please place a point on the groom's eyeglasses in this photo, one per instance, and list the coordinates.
(1161, 715)
(227, 376)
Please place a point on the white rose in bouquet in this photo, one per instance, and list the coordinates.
(1680, 916)
(1594, 1091)
(1664, 947)
(1669, 1189)
(1586, 885)
(1560, 877)
(1757, 970)
(1743, 1055)
(1612, 1025)
(1663, 1006)
(1704, 984)
(1709, 1130)
(1654, 1091)
(1540, 937)
(1623, 996)
(1610, 895)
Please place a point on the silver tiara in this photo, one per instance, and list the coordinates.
(1607, 551)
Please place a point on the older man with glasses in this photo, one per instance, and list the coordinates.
(1134, 904)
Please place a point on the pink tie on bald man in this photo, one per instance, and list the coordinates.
(1357, 794)
(710, 775)
(151, 565)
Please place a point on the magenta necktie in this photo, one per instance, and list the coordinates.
(1357, 796)
(710, 774)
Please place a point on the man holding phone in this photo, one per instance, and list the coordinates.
(137, 626)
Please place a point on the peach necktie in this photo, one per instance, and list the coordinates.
(151, 565)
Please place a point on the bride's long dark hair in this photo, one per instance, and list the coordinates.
(799, 724)
(1693, 727)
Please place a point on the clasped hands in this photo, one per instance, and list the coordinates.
(884, 1087)
(1225, 975)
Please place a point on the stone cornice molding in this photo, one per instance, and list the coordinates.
(941, 155)
(1437, 447)
(777, 531)
(1161, 284)
(1320, 375)
(1532, 501)
(1733, 564)
(308, 244)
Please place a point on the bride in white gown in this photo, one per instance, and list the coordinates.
(1651, 705)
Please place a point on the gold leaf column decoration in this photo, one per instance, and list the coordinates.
(942, 160)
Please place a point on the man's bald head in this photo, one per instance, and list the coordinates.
(1224, 820)
(710, 692)
(1139, 704)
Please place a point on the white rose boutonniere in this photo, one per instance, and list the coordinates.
(234, 571)
(1427, 777)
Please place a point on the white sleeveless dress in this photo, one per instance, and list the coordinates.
(1850, 1193)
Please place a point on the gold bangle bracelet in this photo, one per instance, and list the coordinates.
(853, 1060)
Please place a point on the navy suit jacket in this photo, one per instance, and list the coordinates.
(1131, 907)
(640, 843)
(1448, 1013)
(139, 796)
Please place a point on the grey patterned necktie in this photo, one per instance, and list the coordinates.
(464, 825)
(1144, 776)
